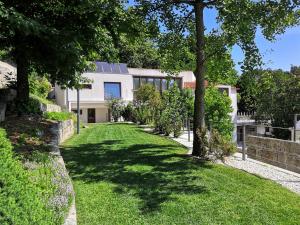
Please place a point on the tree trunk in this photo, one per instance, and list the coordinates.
(199, 114)
(22, 84)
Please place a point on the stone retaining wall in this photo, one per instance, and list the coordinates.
(50, 108)
(61, 131)
(281, 153)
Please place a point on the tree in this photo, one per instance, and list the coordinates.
(247, 84)
(295, 70)
(147, 103)
(238, 20)
(278, 99)
(171, 116)
(217, 113)
(58, 37)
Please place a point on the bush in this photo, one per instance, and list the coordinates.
(127, 112)
(21, 202)
(39, 85)
(116, 108)
(146, 104)
(215, 144)
(171, 116)
(220, 146)
(142, 114)
(32, 107)
(217, 112)
(59, 116)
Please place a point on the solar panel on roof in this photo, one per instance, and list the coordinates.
(116, 68)
(104, 67)
(123, 68)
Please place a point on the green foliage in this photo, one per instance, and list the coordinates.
(278, 99)
(188, 102)
(39, 86)
(32, 107)
(218, 109)
(171, 116)
(116, 107)
(127, 112)
(248, 91)
(60, 38)
(21, 202)
(59, 116)
(147, 102)
(220, 146)
(295, 70)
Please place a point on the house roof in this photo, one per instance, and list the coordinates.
(155, 72)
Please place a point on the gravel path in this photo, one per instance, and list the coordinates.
(284, 177)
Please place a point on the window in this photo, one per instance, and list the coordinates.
(86, 86)
(161, 84)
(226, 90)
(150, 81)
(143, 81)
(157, 84)
(112, 90)
(164, 84)
(136, 83)
(178, 81)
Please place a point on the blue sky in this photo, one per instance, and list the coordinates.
(281, 54)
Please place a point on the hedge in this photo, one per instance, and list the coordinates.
(21, 202)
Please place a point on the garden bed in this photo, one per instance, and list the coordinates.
(33, 143)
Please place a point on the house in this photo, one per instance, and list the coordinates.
(118, 81)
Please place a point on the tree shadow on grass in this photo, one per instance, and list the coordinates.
(152, 172)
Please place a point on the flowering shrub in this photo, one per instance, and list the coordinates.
(21, 201)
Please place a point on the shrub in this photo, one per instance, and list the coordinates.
(21, 202)
(39, 85)
(59, 116)
(142, 114)
(215, 144)
(127, 112)
(220, 146)
(32, 107)
(115, 106)
(147, 102)
(217, 112)
(171, 115)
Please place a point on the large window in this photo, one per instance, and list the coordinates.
(112, 90)
(160, 83)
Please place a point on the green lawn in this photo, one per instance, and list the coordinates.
(123, 175)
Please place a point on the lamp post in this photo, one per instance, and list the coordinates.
(78, 112)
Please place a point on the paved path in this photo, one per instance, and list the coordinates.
(284, 177)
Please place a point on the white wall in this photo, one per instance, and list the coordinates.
(60, 96)
(96, 94)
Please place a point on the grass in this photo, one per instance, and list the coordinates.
(59, 116)
(123, 175)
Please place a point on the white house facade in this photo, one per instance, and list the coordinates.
(118, 81)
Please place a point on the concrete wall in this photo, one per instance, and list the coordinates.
(60, 96)
(281, 153)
